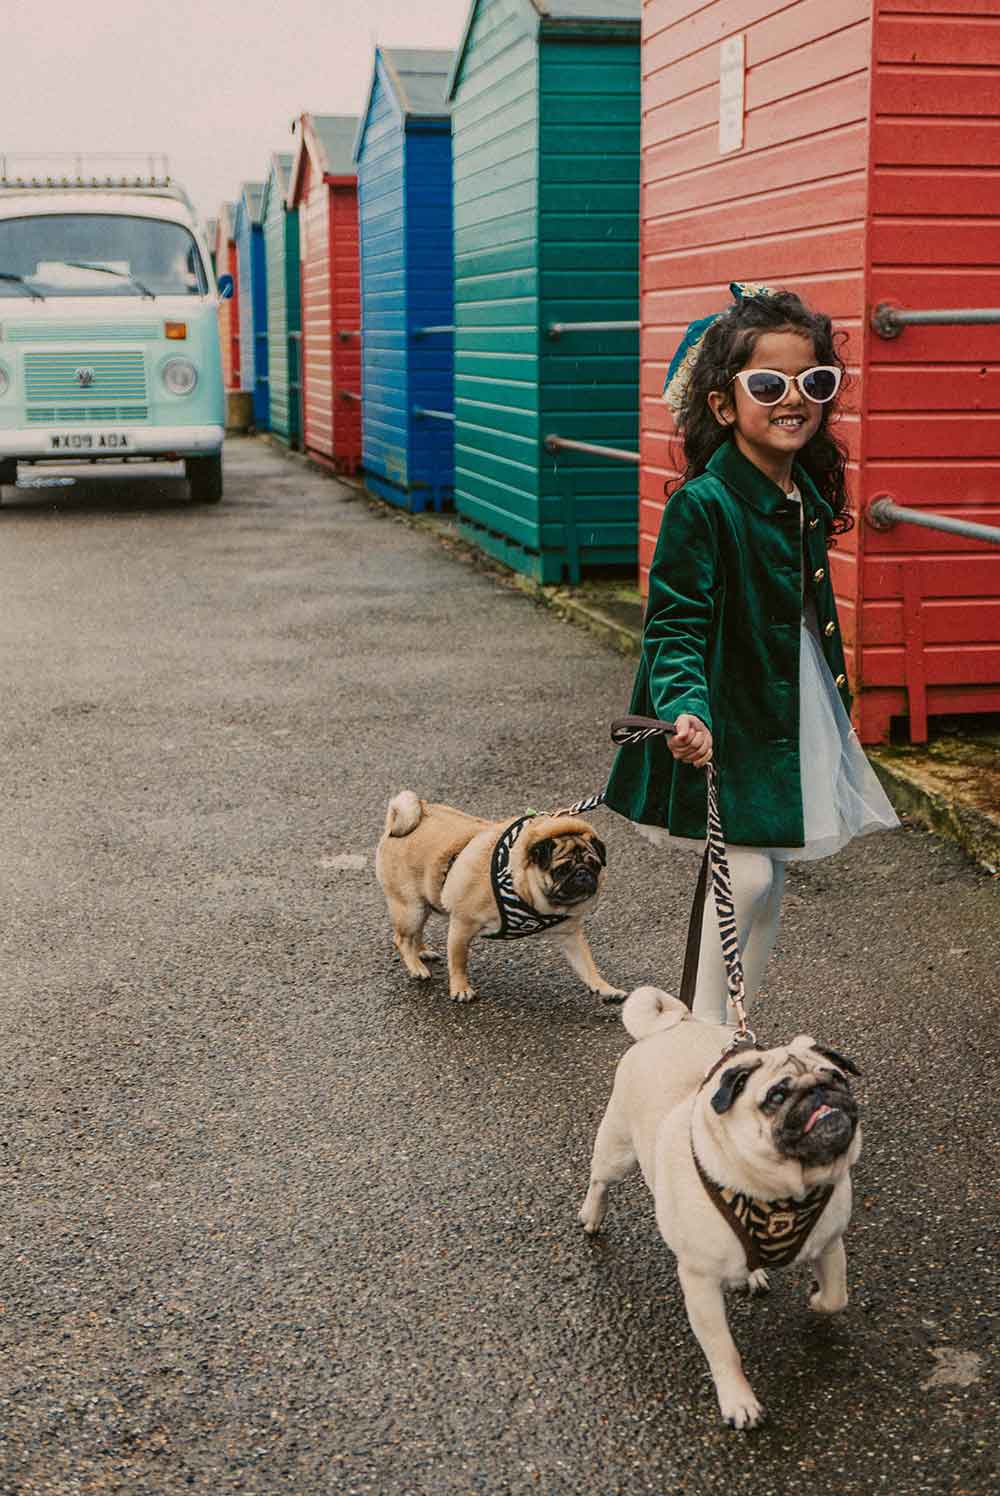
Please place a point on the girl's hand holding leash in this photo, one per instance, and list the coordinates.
(692, 742)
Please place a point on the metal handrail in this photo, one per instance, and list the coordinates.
(883, 513)
(419, 332)
(564, 444)
(346, 334)
(349, 395)
(556, 329)
(296, 335)
(434, 415)
(889, 321)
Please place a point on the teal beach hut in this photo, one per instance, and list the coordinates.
(403, 156)
(280, 225)
(546, 141)
(252, 299)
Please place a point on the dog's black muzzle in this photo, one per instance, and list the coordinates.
(820, 1126)
(579, 884)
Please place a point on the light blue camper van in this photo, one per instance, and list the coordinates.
(109, 329)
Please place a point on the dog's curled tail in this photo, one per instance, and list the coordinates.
(404, 814)
(650, 1010)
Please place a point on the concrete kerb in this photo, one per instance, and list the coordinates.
(918, 786)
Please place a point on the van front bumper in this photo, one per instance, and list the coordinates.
(64, 444)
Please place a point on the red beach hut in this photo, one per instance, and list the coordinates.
(324, 189)
(229, 310)
(850, 153)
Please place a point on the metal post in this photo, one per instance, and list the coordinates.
(889, 321)
(883, 513)
(433, 415)
(555, 444)
(556, 329)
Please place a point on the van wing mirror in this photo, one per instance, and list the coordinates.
(225, 287)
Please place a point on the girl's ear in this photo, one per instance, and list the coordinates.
(721, 407)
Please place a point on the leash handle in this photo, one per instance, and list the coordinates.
(627, 730)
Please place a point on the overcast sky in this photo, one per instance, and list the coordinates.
(213, 84)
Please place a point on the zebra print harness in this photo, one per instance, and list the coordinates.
(518, 918)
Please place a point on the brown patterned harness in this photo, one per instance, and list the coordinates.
(771, 1232)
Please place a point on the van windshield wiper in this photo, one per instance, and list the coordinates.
(107, 270)
(19, 280)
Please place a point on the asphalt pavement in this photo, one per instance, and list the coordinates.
(281, 1221)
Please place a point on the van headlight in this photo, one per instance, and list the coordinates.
(179, 375)
(4, 380)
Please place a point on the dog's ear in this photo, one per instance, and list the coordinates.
(600, 849)
(838, 1059)
(541, 853)
(731, 1085)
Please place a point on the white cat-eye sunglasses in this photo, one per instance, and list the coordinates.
(770, 386)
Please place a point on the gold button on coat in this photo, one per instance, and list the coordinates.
(841, 680)
(819, 574)
(831, 628)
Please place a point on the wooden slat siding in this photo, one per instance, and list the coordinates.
(589, 263)
(277, 248)
(788, 209)
(227, 321)
(244, 263)
(293, 315)
(495, 137)
(258, 287)
(346, 317)
(314, 236)
(430, 302)
(933, 394)
(234, 319)
(381, 206)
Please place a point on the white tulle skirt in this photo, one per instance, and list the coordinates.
(841, 795)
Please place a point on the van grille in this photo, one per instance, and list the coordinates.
(56, 415)
(118, 375)
(69, 332)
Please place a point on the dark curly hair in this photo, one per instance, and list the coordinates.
(725, 348)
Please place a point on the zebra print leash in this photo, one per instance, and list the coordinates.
(631, 730)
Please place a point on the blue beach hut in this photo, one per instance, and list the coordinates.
(403, 157)
(249, 236)
(546, 116)
(281, 256)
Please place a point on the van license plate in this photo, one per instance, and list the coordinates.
(90, 441)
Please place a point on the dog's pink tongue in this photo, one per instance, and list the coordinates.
(820, 1111)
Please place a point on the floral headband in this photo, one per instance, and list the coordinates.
(683, 361)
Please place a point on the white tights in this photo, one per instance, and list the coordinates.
(758, 884)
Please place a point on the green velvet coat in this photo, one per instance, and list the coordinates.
(721, 641)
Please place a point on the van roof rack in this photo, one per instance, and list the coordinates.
(101, 172)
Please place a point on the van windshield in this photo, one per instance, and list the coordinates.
(98, 254)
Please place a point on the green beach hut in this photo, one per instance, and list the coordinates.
(281, 252)
(546, 126)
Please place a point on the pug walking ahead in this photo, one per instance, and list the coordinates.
(534, 875)
(749, 1166)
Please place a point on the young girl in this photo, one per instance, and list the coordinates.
(742, 644)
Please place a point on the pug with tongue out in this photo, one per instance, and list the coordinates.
(748, 1160)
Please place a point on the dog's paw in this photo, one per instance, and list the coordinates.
(608, 993)
(758, 1282)
(820, 1305)
(740, 1408)
(426, 954)
(418, 971)
(591, 1212)
(466, 994)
